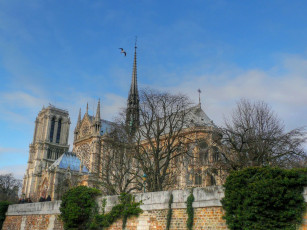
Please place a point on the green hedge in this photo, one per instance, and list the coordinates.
(3, 208)
(264, 198)
(78, 207)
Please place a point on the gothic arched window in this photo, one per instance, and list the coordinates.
(203, 152)
(212, 180)
(49, 154)
(52, 129)
(58, 135)
(198, 178)
(215, 154)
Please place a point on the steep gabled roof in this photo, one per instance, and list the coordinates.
(105, 125)
(69, 159)
(198, 117)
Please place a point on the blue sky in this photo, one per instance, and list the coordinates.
(66, 53)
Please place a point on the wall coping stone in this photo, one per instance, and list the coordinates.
(203, 197)
(39, 208)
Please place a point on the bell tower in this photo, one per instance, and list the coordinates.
(50, 141)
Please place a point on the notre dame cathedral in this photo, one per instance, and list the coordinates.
(52, 169)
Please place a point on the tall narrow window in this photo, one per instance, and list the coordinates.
(58, 135)
(212, 180)
(198, 178)
(49, 154)
(52, 129)
(215, 154)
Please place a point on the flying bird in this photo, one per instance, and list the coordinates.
(123, 51)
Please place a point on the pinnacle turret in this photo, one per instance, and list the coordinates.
(97, 118)
(79, 118)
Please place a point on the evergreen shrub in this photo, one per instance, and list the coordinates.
(169, 212)
(264, 198)
(126, 208)
(3, 208)
(190, 210)
(78, 207)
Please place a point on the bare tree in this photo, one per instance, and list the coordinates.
(9, 187)
(255, 136)
(118, 171)
(160, 140)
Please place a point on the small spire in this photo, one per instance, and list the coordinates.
(199, 92)
(97, 118)
(87, 108)
(79, 117)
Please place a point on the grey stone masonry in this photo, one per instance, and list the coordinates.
(40, 208)
(204, 197)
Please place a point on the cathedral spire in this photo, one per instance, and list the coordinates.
(87, 108)
(132, 114)
(134, 85)
(97, 118)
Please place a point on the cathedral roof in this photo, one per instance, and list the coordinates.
(69, 159)
(105, 125)
(198, 117)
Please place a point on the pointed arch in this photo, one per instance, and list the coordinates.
(52, 129)
(44, 188)
(58, 135)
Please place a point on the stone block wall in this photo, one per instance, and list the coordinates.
(208, 212)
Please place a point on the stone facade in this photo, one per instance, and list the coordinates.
(46, 175)
(50, 141)
(208, 212)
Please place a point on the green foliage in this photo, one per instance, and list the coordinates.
(3, 208)
(169, 213)
(126, 208)
(103, 205)
(190, 210)
(264, 198)
(78, 207)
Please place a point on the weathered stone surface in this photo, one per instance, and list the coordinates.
(33, 222)
(208, 212)
(51, 207)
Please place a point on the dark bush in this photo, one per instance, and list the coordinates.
(3, 208)
(190, 211)
(264, 198)
(78, 207)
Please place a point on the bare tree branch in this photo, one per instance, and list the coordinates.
(255, 136)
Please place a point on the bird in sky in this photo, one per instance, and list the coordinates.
(123, 51)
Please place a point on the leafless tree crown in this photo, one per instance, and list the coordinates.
(255, 136)
(160, 140)
(9, 187)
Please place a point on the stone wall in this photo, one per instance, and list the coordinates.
(208, 212)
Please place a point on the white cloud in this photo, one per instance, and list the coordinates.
(17, 170)
(285, 91)
(4, 150)
(113, 104)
